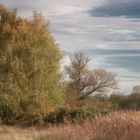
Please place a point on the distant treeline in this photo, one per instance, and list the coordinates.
(122, 101)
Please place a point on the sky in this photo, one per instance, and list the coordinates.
(108, 31)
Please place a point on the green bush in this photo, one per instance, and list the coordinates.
(74, 115)
(9, 108)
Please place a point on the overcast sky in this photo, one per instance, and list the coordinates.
(106, 30)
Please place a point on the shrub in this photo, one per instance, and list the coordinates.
(121, 101)
(74, 115)
(134, 101)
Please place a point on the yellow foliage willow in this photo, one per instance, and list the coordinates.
(29, 67)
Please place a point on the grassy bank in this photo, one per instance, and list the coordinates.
(118, 126)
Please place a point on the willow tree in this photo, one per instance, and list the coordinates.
(29, 66)
(88, 82)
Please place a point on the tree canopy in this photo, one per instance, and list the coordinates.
(86, 81)
(29, 66)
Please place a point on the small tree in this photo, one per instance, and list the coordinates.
(85, 81)
(29, 66)
(136, 89)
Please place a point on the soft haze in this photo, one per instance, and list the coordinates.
(108, 31)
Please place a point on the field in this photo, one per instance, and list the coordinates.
(116, 126)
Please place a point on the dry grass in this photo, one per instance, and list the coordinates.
(118, 126)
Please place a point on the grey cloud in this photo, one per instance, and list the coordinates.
(124, 59)
(111, 8)
(114, 52)
(24, 5)
(129, 62)
(118, 37)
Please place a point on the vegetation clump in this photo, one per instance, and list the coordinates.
(75, 115)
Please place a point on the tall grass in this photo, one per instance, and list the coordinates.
(117, 126)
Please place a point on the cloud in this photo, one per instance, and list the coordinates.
(113, 42)
(24, 5)
(53, 7)
(122, 35)
(113, 8)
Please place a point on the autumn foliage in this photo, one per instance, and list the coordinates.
(29, 67)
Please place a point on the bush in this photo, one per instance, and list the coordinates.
(9, 109)
(74, 115)
(134, 101)
(121, 101)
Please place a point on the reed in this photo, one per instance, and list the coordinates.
(124, 125)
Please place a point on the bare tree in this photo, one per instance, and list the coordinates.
(136, 89)
(85, 81)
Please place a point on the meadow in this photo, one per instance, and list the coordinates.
(123, 125)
